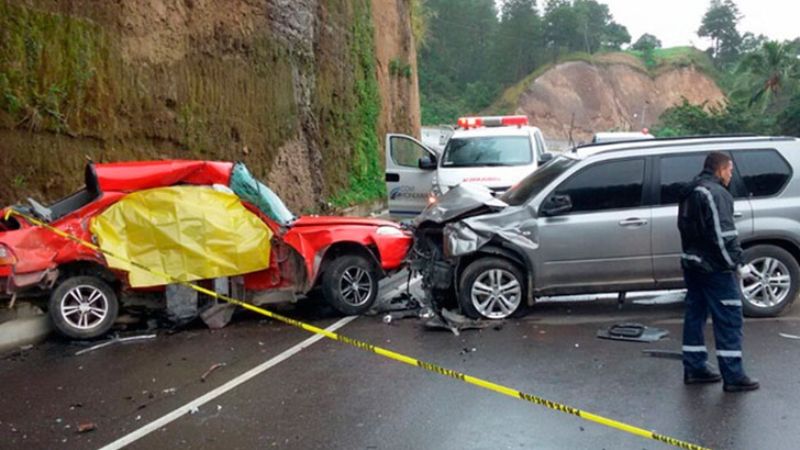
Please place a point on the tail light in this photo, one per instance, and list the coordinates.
(6, 257)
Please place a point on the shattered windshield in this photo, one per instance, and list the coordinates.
(253, 191)
(538, 180)
(488, 151)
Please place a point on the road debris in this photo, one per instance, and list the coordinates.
(634, 332)
(86, 427)
(116, 340)
(455, 322)
(789, 336)
(211, 369)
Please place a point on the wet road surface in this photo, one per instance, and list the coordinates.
(330, 395)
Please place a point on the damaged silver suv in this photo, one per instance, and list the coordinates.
(608, 223)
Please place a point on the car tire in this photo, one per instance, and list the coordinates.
(481, 294)
(83, 307)
(350, 284)
(779, 270)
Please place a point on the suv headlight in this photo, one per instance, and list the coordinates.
(389, 231)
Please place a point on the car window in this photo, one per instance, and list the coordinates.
(539, 143)
(610, 185)
(537, 180)
(406, 152)
(677, 171)
(764, 172)
(487, 151)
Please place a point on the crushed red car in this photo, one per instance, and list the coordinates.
(343, 257)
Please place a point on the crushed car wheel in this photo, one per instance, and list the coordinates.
(491, 288)
(773, 282)
(350, 284)
(83, 307)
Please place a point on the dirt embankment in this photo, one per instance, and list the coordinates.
(613, 94)
(301, 90)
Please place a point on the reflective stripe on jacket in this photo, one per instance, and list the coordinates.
(708, 233)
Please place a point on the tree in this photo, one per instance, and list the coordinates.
(646, 42)
(768, 72)
(789, 118)
(560, 23)
(616, 36)
(719, 24)
(596, 27)
(518, 41)
(687, 119)
(751, 43)
(457, 59)
(582, 25)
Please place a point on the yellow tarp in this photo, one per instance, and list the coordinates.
(189, 232)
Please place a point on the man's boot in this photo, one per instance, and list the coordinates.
(705, 375)
(744, 384)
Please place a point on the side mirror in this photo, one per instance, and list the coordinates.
(556, 205)
(545, 157)
(427, 163)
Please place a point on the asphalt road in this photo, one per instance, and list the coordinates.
(329, 395)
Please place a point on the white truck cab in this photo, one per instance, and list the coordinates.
(496, 152)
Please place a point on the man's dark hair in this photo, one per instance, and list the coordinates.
(716, 161)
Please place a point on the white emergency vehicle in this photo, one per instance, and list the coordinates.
(496, 152)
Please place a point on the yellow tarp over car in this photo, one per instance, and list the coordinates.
(188, 232)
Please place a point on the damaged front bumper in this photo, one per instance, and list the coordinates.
(40, 281)
(465, 221)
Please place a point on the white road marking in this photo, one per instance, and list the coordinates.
(200, 401)
(402, 288)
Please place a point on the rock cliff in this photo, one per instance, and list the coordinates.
(301, 90)
(610, 92)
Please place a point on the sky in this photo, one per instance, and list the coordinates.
(675, 22)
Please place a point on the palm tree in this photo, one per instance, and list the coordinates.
(771, 70)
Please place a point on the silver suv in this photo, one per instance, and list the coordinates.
(607, 222)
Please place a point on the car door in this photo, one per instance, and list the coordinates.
(603, 239)
(671, 174)
(407, 185)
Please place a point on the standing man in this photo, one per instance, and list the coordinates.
(711, 256)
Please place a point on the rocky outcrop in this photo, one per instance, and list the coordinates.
(301, 90)
(613, 93)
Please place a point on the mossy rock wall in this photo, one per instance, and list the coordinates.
(291, 88)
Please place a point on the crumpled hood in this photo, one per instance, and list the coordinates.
(459, 201)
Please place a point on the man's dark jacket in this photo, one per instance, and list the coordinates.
(708, 233)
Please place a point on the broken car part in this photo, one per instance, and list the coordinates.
(634, 332)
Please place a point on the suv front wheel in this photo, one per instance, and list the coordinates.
(491, 288)
(773, 281)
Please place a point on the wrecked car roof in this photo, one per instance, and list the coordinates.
(140, 175)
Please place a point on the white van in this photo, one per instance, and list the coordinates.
(496, 152)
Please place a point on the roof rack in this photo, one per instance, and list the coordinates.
(675, 138)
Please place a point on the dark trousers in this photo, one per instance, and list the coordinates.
(719, 294)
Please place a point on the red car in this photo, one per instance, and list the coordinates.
(342, 256)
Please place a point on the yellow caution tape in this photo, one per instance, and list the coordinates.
(430, 367)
